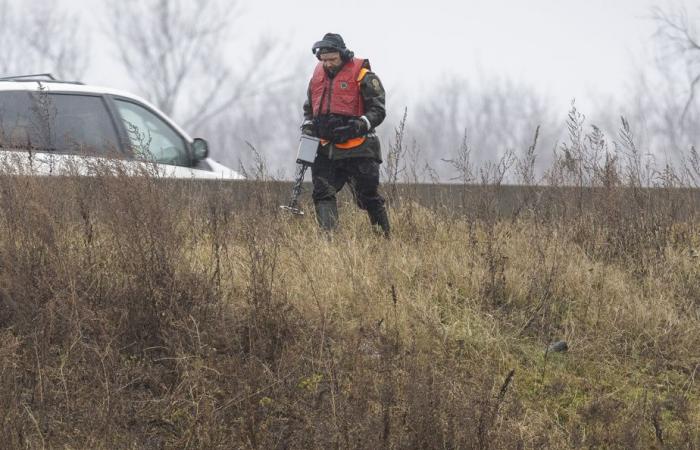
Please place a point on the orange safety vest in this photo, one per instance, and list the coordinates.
(339, 95)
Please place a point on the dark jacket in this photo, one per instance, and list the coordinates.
(374, 98)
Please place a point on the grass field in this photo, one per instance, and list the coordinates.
(143, 314)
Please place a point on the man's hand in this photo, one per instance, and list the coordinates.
(356, 127)
(342, 134)
(308, 128)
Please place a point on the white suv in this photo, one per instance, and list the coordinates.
(59, 123)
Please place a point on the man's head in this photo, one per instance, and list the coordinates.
(331, 61)
(331, 51)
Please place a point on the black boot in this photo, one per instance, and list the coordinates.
(379, 219)
(327, 214)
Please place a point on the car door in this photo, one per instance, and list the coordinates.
(57, 122)
(149, 136)
(54, 132)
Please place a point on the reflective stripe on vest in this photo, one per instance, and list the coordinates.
(351, 143)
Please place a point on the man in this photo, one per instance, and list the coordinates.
(344, 105)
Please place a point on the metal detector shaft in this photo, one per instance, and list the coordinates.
(306, 155)
(293, 206)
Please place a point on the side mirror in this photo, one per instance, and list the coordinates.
(200, 149)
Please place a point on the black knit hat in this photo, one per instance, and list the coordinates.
(331, 42)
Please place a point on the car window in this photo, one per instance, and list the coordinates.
(83, 123)
(66, 123)
(152, 138)
(21, 125)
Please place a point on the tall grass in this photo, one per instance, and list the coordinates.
(141, 313)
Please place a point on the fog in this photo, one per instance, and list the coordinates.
(534, 57)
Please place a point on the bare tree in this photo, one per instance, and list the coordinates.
(656, 106)
(172, 51)
(677, 31)
(660, 99)
(268, 119)
(36, 36)
(9, 38)
(498, 115)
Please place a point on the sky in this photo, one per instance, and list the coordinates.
(565, 49)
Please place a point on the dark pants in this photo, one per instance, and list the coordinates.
(361, 174)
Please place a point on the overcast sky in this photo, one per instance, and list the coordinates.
(570, 48)
(565, 48)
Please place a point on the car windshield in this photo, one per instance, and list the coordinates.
(66, 123)
(152, 138)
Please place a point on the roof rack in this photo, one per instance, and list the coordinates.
(38, 77)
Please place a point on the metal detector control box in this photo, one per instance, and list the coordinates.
(308, 145)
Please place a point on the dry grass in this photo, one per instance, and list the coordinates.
(143, 314)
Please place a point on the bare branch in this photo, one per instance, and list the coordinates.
(691, 97)
(40, 38)
(172, 51)
(676, 28)
(676, 31)
(222, 95)
(499, 114)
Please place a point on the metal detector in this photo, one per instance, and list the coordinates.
(306, 154)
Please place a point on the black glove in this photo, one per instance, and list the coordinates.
(309, 129)
(356, 127)
(342, 134)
